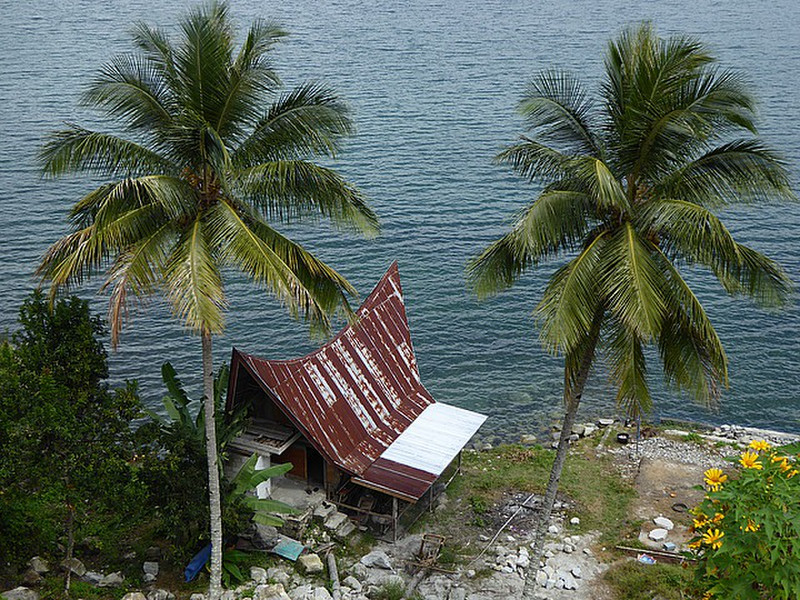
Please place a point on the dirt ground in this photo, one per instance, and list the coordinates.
(662, 487)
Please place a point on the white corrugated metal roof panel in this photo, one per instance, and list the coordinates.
(435, 438)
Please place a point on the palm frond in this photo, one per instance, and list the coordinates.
(557, 110)
(309, 120)
(536, 161)
(557, 221)
(632, 282)
(572, 298)
(79, 150)
(304, 284)
(193, 281)
(290, 189)
(132, 89)
(738, 171)
(624, 350)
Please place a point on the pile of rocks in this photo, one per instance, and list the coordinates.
(745, 435)
(581, 430)
(663, 527)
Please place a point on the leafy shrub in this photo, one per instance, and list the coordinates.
(66, 445)
(747, 530)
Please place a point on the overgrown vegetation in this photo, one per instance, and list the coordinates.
(631, 580)
(747, 528)
(600, 497)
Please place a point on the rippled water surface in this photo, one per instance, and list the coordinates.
(433, 86)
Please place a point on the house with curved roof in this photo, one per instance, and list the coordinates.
(354, 417)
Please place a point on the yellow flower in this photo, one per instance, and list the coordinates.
(715, 478)
(707, 596)
(717, 518)
(749, 460)
(760, 445)
(695, 545)
(784, 462)
(752, 526)
(713, 538)
(698, 524)
(792, 473)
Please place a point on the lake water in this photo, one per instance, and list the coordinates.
(433, 86)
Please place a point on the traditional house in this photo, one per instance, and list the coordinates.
(353, 417)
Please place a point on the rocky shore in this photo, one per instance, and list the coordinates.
(664, 466)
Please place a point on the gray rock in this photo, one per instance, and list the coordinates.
(377, 559)
(471, 573)
(658, 534)
(301, 592)
(552, 529)
(541, 578)
(310, 563)
(345, 529)
(335, 520)
(197, 597)
(40, 565)
(589, 429)
(258, 574)
(578, 430)
(321, 593)
(264, 537)
(569, 582)
(270, 591)
(353, 583)
(528, 439)
(664, 523)
(31, 578)
(323, 511)
(92, 577)
(160, 594)
(574, 521)
(457, 594)
(278, 575)
(74, 565)
(605, 422)
(134, 596)
(227, 595)
(112, 580)
(576, 572)
(20, 593)
(150, 568)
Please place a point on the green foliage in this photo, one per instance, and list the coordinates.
(747, 530)
(174, 466)
(66, 444)
(628, 184)
(393, 590)
(233, 572)
(212, 154)
(630, 580)
(239, 492)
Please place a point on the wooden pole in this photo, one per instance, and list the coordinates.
(333, 573)
(394, 519)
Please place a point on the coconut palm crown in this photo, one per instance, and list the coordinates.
(212, 154)
(629, 182)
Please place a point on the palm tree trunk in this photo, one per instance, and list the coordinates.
(573, 390)
(215, 584)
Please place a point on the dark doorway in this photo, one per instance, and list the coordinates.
(316, 468)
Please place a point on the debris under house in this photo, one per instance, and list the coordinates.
(353, 417)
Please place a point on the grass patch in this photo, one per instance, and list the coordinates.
(600, 495)
(394, 590)
(630, 580)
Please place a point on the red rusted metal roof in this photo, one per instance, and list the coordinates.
(355, 398)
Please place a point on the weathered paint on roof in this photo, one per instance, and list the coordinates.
(358, 393)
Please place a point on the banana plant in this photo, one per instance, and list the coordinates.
(187, 417)
(247, 479)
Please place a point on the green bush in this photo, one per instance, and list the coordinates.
(66, 445)
(747, 529)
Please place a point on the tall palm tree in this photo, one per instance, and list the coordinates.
(628, 187)
(212, 153)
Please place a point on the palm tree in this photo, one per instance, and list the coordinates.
(212, 152)
(629, 185)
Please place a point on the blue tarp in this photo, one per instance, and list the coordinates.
(288, 548)
(197, 563)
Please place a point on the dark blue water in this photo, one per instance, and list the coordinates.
(432, 86)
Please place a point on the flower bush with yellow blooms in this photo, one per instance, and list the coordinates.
(747, 529)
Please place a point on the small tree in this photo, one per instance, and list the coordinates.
(66, 440)
(747, 530)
